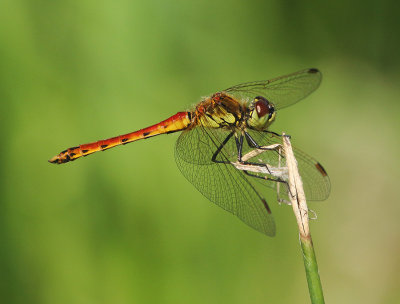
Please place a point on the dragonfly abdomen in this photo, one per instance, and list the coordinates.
(177, 122)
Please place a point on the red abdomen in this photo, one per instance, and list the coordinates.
(177, 122)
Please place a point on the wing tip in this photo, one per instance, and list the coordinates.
(313, 71)
(266, 206)
(321, 169)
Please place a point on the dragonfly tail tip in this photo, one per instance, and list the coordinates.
(54, 160)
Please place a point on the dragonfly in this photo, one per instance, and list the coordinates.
(219, 134)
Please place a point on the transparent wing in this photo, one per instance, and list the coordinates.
(315, 179)
(281, 91)
(221, 183)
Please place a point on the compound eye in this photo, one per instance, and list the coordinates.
(262, 106)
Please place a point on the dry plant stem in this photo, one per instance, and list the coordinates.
(300, 210)
(297, 196)
(268, 169)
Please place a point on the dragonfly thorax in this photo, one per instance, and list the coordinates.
(261, 113)
(219, 111)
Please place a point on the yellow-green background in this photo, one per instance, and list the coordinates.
(125, 226)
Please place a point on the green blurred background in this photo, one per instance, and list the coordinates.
(125, 226)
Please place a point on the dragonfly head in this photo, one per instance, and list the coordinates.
(262, 113)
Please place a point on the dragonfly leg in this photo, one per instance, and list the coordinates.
(254, 144)
(272, 132)
(278, 180)
(214, 157)
(239, 145)
(277, 149)
(276, 134)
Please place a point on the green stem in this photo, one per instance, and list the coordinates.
(310, 264)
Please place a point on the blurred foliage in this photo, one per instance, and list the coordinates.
(124, 226)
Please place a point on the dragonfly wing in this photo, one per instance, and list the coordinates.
(198, 145)
(281, 91)
(316, 182)
(221, 183)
